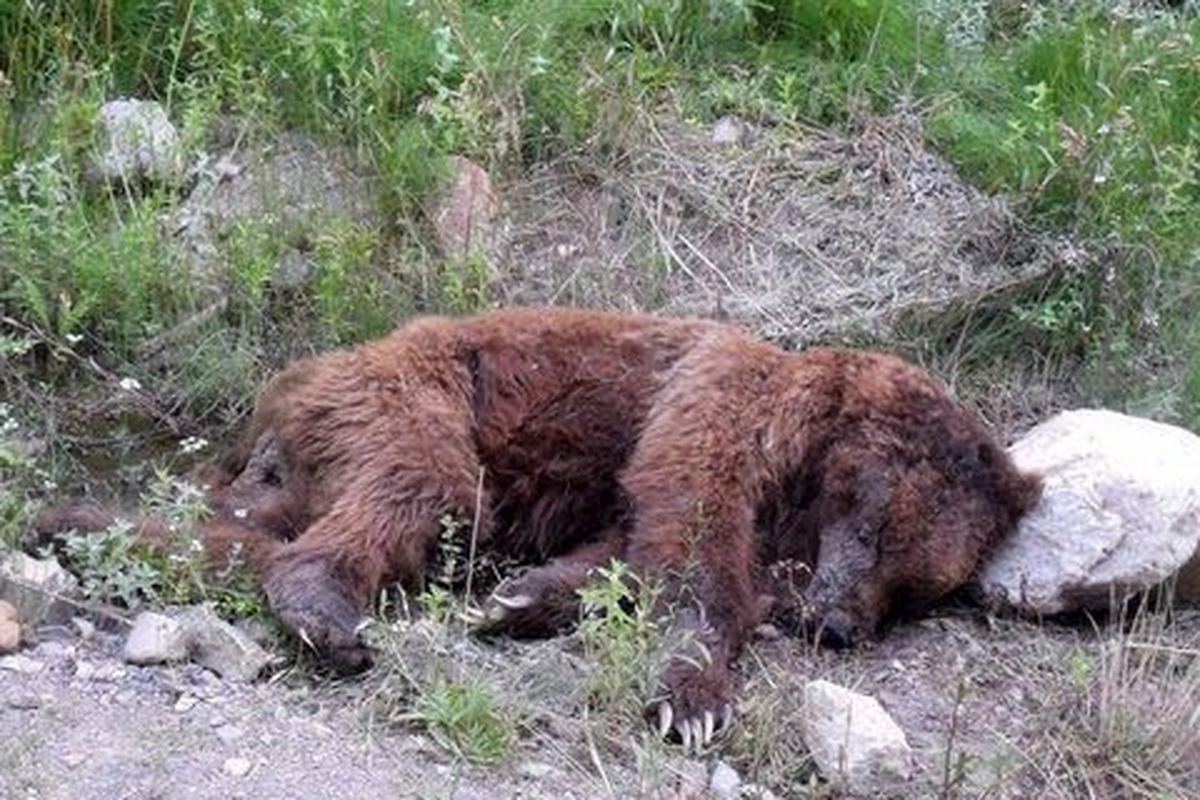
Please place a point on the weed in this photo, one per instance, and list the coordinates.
(622, 639)
(466, 720)
(115, 565)
(22, 477)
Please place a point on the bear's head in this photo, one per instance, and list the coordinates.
(909, 499)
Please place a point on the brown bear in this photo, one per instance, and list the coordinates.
(564, 438)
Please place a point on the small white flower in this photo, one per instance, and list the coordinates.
(73, 338)
(192, 444)
(130, 385)
(241, 513)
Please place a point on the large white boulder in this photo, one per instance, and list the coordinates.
(853, 741)
(1120, 513)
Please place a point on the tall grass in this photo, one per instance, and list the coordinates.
(1086, 119)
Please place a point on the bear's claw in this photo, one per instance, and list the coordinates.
(695, 733)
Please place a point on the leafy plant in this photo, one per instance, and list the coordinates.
(466, 719)
(622, 638)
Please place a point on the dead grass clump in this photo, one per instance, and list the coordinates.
(1120, 715)
(802, 235)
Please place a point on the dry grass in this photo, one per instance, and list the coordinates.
(802, 235)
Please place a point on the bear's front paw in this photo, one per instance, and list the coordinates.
(695, 700)
(535, 605)
(321, 611)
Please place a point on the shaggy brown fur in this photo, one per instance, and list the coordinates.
(698, 454)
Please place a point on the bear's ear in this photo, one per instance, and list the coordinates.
(1026, 491)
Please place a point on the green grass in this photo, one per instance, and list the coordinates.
(1086, 121)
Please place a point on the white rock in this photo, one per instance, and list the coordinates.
(139, 142)
(535, 770)
(36, 588)
(1120, 513)
(186, 703)
(219, 646)
(237, 767)
(853, 741)
(155, 639)
(84, 626)
(725, 782)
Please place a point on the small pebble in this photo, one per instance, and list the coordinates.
(767, 632)
(237, 767)
(535, 770)
(725, 782)
(24, 702)
(185, 703)
(229, 733)
(85, 628)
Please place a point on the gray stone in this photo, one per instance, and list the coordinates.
(294, 270)
(1120, 513)
(853, 741)
(725, 782)
(155, 639)
(221, 647)
(39, 588)
(138, 142)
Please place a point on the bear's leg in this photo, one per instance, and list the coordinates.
(544, 601)
(383, 527)
(694, 534)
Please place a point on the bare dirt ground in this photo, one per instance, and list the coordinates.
(991, 710)
(87, 725)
